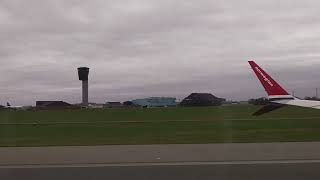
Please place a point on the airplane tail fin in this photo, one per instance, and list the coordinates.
(273, 89)
(8, 104)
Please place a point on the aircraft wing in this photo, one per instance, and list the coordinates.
(277, 94)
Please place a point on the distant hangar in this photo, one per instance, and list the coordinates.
(202, 99)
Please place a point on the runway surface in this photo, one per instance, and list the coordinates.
(158, 153)
(292, 171)
(201, 161)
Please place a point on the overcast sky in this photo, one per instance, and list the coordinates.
(141, 48)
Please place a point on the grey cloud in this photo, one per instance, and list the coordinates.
(138, 48)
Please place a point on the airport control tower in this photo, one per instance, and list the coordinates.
(83, 76)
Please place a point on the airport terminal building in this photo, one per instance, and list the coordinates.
(156, 102)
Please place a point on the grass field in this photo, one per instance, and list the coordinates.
(223, 124)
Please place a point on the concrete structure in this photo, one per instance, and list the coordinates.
(83, 73)
(156, 102)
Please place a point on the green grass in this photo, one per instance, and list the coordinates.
(223, 124)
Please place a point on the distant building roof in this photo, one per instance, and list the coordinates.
(113, 104)
(52, 104)
(201, 99)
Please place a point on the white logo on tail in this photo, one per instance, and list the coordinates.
(264, 77)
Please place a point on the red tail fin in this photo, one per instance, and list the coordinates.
(269, 84)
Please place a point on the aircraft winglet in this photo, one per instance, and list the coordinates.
(270, 85)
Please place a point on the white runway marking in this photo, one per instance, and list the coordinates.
(161, 164)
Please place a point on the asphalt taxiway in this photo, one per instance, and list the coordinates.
(201, 161)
